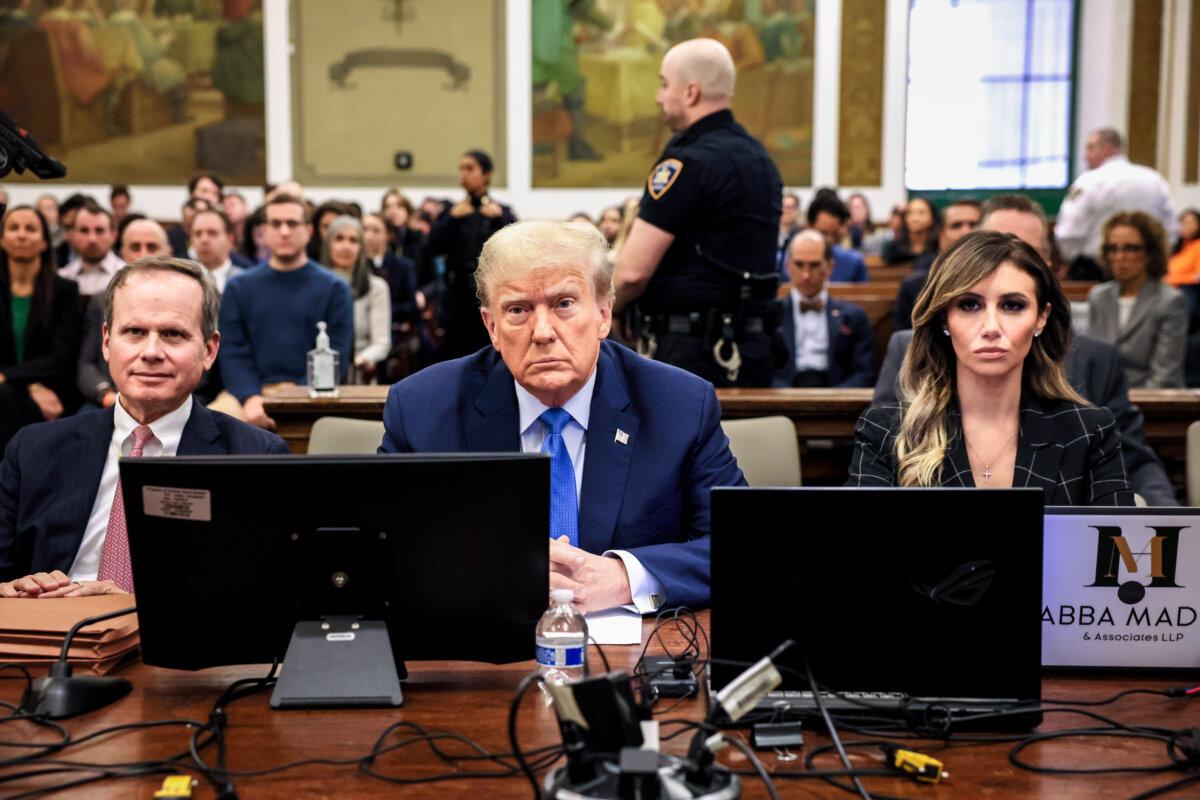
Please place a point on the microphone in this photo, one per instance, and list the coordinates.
(18, 151)
(61, 694)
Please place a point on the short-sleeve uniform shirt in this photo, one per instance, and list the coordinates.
(717, 188)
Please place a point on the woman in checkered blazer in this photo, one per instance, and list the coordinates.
(984, 397)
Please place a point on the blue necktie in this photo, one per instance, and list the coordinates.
(564, 510)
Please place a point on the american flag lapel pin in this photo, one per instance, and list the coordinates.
(622, 437)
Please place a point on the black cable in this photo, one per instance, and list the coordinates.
(747, 751)
(1168, 787)
(833, 734)
(514, 707)
(600, 650)
(83, 623)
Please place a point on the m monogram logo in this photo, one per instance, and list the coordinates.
(1156, 561)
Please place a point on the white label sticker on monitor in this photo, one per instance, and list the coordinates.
(172, 502)
(1121, 590)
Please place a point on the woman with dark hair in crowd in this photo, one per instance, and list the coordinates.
(865, 235)
(254, 238)
(324, 214)
(1184, 266)
(918, 232)
(343, 252)
(1145, 318)
(41, 312)
(407, 241)
(984, 396)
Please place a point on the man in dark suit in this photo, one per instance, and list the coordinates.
(635, 445)
(1094, 370)
(829, 342)
(62, 527)
(828, 215)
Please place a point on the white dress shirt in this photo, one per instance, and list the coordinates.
(643, 586)
(812, 333)
(1124, 309)
(221, 274)
(92, 280)
(167, 431)
(1114, 186)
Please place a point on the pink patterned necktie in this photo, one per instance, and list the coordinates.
(114, 557)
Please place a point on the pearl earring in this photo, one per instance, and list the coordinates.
(945, 331)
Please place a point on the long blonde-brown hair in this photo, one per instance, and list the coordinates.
(928, 374)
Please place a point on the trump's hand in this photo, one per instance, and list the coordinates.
(599, 582)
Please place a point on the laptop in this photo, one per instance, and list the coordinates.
(902, 601)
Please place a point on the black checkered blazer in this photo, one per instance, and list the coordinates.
(1072, 451)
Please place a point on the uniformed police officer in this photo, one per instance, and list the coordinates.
(700, 258)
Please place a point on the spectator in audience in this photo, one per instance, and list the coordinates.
(960, 218)
(459, 234)
(142, 237)
(828, 216)
(917, 234)
(207, 186)
(234, 206)
(326, 213)
(178, 234)
(62, 521)
(865, 235)
(1184, 267)
(48, 205)
(66, 251)
(610, 223)
(984, 396)
(581, 216)
(119, 201)
(407, 241)
(1145, 318)
(1093, 367)
(92, 236)
(789, 226)
(139, 238)
(343, 253)
(399, 272)
(269, 316)
(4, 198)
(629, 214)
(213, 241)
(829, 342)
(636, 445)
(290, 188)
(41, 311)
(1111, 185)
(254, 241)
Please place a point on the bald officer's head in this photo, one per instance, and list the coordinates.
(697, 79)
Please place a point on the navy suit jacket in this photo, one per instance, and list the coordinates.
(851, 345)
(648, 496)
(51, 473)
(849, 266)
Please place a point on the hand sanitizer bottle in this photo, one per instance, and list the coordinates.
(322, 366)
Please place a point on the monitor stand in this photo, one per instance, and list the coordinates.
(338, 661)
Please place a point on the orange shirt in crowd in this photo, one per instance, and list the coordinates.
(1184, 266)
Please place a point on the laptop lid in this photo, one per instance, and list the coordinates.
(1122, 588)
(934, 593)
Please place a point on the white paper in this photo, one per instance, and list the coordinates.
(615, 626)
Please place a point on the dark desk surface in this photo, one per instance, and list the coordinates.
(473, 700)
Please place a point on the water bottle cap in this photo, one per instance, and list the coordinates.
(562, 595)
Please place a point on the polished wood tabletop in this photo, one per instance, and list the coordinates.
(473, 700)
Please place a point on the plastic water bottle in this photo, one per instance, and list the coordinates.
(322, 366)
(561, 640)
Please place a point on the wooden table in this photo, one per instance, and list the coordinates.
(473, 700)
(818, 414)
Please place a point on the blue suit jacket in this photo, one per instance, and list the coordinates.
(851, 345)
(649, 496)
(849, 266)
(51, 473)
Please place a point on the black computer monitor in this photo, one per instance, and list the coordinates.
(429, 556)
